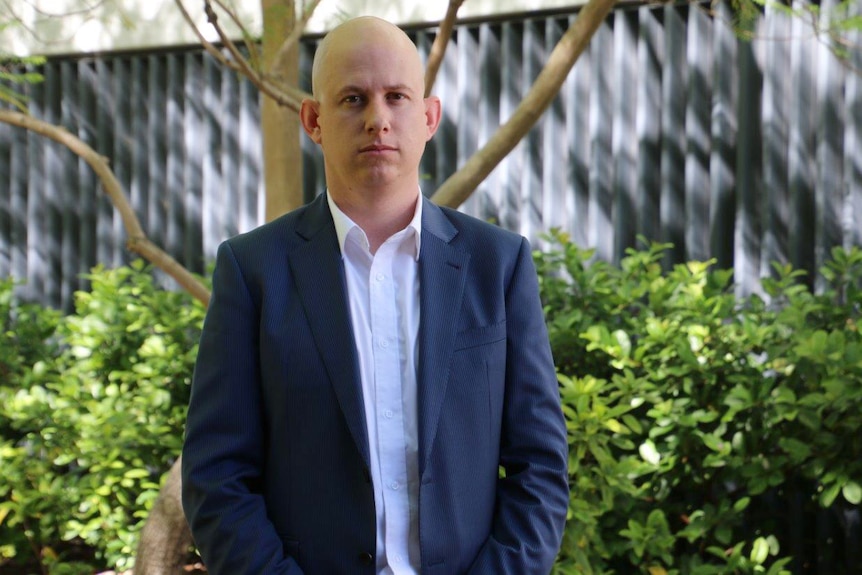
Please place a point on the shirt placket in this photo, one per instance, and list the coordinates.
(388, 400)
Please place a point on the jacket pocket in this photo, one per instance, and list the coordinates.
(291, 547)
(483, 335)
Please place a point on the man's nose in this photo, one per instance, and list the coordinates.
(376, 117)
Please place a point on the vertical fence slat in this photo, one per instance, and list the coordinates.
(511, 94)
(488, 113)
(229, 121)
(830, 136)
(215, 215)
(601, 232)
(624, 122)
(802, 155)
(578, 157)
(468, 104)
(722, 165)
(673, 194)
(853, 155)
(192, 176)
(89, 94)
(698, 129)
(176, 160)
(530, 199)
(6, 215)
(252, 202)
(747, 236)
(774, 119)
(650, 55)
(18, 160)
(158, 128)
(35, 204)
(51, 240)
(554, 210)
(69, 200)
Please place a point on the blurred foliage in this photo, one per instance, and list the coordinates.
(694, 416)
(14, 74)
(833, 26)
(92, 407)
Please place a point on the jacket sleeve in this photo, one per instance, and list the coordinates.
(223, 454)
(532, 499)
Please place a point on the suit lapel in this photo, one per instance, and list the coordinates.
(442, 273)
(316, 264)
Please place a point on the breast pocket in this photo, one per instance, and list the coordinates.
(478, 383)
(479, 336)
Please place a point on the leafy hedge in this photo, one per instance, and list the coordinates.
(92, 407)
(694, 415)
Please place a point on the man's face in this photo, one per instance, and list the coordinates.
(372, 120)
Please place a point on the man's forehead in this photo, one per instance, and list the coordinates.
(358, 73)
(363, 43)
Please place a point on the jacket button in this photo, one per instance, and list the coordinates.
(366, 559)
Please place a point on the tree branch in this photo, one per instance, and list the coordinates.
(295, 36)
(438, 48)
(461, 184)
(208, 46)
(137, 241)
(283, 94)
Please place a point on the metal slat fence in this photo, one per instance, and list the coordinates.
(668, 127)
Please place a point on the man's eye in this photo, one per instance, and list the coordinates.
(352, 99)
(397, 96)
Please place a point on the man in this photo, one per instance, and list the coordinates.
(374, 390)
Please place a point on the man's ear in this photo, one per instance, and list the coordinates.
(309, 113)
(433, 112)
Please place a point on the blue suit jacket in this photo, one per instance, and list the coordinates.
(275, 465)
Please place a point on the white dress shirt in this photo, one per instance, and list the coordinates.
(383, 295)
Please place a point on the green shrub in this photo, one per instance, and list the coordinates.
(95, 421)
(691, 410)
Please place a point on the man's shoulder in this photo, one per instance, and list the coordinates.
(280, 231)
(476, 231)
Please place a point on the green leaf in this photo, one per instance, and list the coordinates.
(759, 551)
(852, 492)
(649, 453)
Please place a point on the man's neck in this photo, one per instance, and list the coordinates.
(379, 215)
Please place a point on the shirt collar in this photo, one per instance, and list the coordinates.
(344, 225)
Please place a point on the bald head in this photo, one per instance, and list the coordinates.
(361, 33)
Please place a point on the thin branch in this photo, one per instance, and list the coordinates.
(84, 10)
(208, 46)
(438, 48)
(254, 53)
(244, 68)
(461, 184)
(284, 95)
(294, 37)
(137, 240)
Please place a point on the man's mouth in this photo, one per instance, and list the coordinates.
(377, 148)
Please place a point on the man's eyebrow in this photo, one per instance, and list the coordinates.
(356, 89)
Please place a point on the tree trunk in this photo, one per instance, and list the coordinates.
(282, 154)
(165, 540)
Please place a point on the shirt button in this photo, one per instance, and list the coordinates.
(366, 558)
(394, 486)
(384, 343)
(381, 277)
(388, 414)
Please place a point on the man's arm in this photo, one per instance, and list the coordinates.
(223, 455)
(532, 498)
